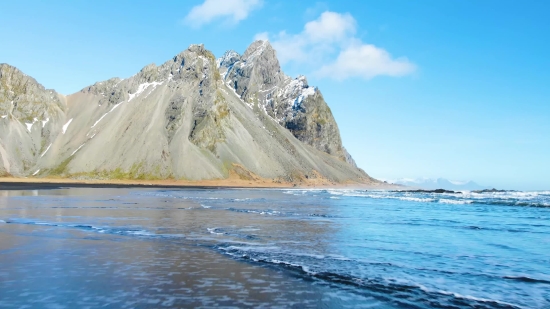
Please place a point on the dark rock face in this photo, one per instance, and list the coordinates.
(257, 78)
(493, 190)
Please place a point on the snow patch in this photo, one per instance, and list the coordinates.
(458, 182)
(67, 125)
(107, 113)
(38, 170)
(142, 88)
(77, 149)
(226, 57)
(45, 121)
(29, 126)
(306, 92)
(46, 150)
(4, 116)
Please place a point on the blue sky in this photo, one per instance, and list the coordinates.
(454, 89)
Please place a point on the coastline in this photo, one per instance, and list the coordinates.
(24, 183)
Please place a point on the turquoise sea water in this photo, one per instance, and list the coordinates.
(150, 248)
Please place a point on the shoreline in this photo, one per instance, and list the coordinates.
(15, 183)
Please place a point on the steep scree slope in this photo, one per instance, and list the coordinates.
(193, 117)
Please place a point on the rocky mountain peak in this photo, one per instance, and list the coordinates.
(23, 98)
(228, 59)
(257, 77)
(193, 117)
(259, 48)
(196, 48)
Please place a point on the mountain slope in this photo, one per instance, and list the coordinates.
(30, 117)
(256, 76)
(179, 120)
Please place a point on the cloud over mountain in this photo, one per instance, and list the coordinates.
(331, 39)
(366, 61)
(232, 10)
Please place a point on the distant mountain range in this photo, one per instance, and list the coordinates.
(194, 117)
(439, 183)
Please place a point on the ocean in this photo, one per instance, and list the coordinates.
(273, 248)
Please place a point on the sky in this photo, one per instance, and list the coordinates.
(454, 89)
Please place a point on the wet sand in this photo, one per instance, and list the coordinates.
(14, 183)
(129, 248)
(68, 268)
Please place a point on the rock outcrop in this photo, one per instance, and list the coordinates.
(257, 78)
(194, 117)
(29, 120)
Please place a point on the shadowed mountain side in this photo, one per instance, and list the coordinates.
(178, 120)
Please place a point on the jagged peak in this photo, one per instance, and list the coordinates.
(11, 74)
(198, 48)
(193, 48)
(257, 48)
(8, 67)
(228, 58)
(149, 67)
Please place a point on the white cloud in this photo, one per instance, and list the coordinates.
(264, 36)
(366, 61)
(234, 10)
(330, 27)
(330, 39)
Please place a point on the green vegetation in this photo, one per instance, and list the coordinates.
(134, 173)
(61, 169)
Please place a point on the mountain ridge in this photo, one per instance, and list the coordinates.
(190, 118)
(439, 183)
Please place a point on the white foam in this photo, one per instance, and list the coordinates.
(67, 125)
(213, 231)
(457, 202)
(416, 199)
(468, 297)
(140, 233)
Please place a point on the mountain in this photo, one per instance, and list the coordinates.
(439, 183)
(194, 117)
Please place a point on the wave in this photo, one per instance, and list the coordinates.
(455, 202)
(271, 212)
(527, 279)
(522, 199)
(256, 211)
(410, 294)
(128, 231)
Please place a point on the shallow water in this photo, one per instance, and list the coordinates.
(128, 248)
